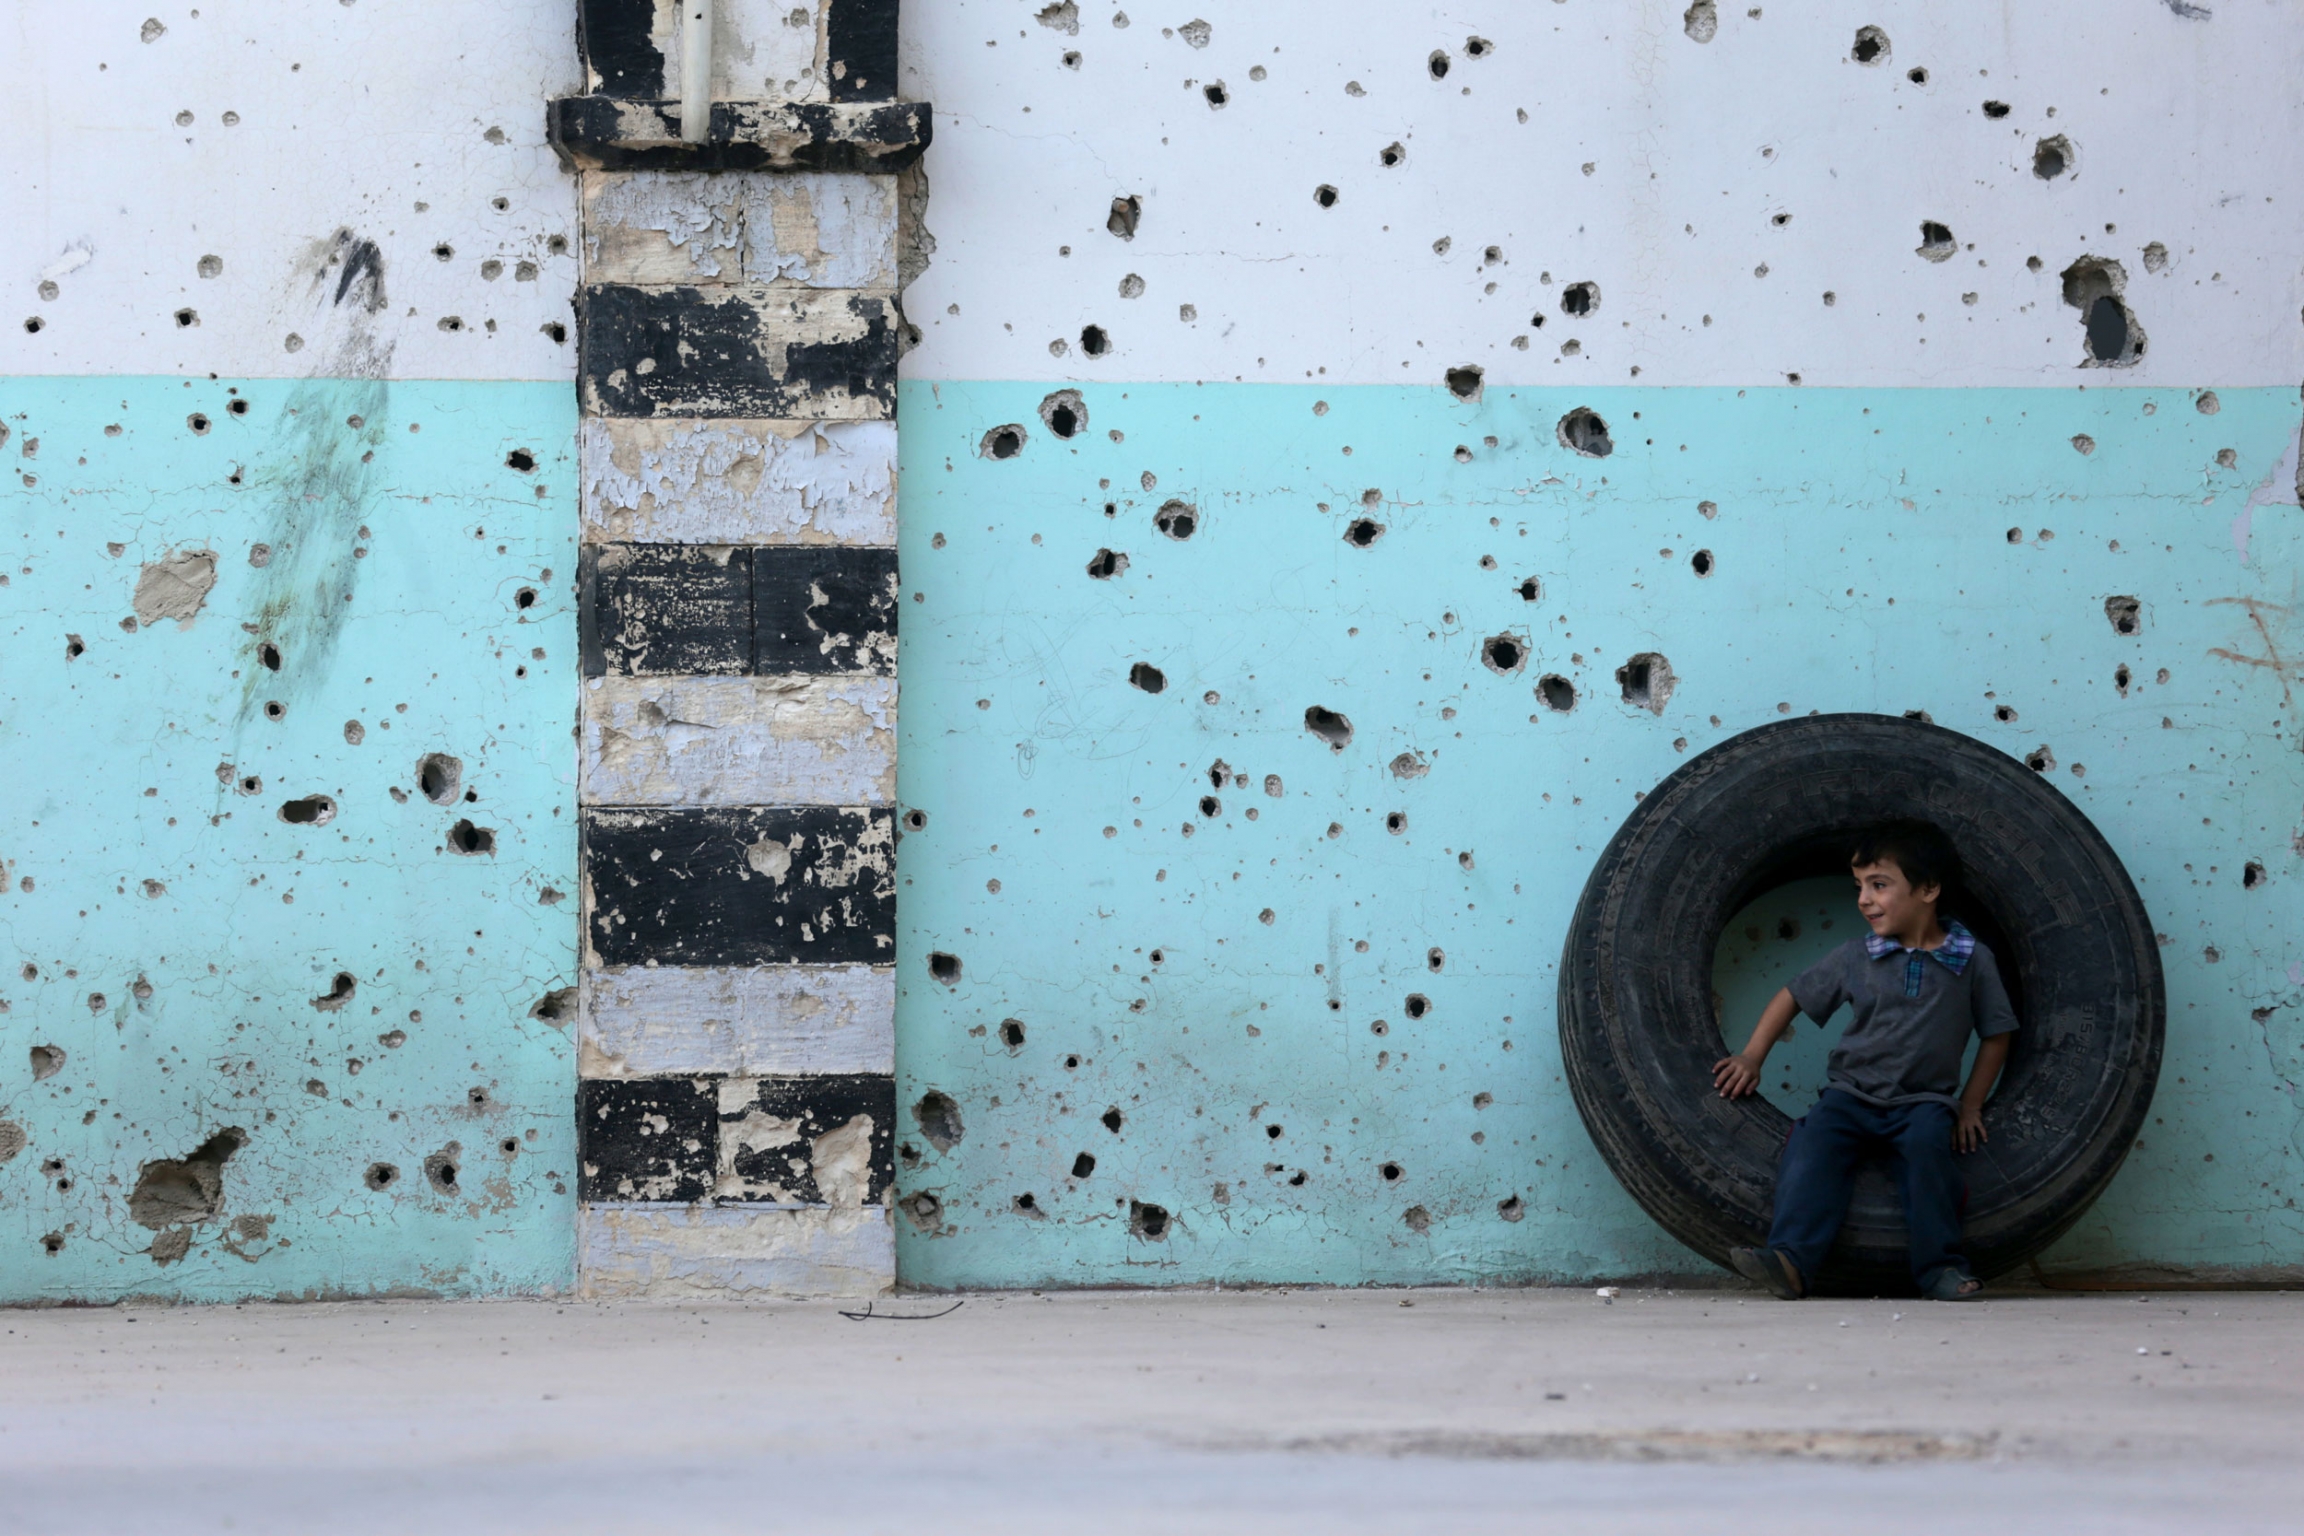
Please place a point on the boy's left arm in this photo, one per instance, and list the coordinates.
(1996, 1022)
(1990, 1057)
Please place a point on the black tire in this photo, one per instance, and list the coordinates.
(2044, 890)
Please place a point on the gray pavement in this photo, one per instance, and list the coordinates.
(1266, 1411)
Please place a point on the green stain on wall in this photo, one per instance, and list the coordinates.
(1204, 918)
(286, 1057)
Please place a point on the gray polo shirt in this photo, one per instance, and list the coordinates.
(1903, 1049)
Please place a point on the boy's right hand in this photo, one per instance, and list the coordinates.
(1735, 1076)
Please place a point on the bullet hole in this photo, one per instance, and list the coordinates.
(1504, 654)
(1701, 562)
(944, 967)
(1012, 1034)
(1083, 1165)
(939, 1117)
(275, 710)
(1210, 807)
(1094, 341)
(1149, 1222)
(1216, 94)
(1323, 194)
(1147, 677)
(524, 598)
(2015, 535)
(187, 318)
(338, 994)
(2093, 285)
(555, 330)
(1438, 64)
(181, 1191)
(1647, 681)
(2004, 713)
(1419, 1220)
(1936, 242)
(440, 777)
(1417, 1005)
(47, 1061)
(142, 990)
(2126, 614)
(198, 422)
(1329, 726)
(520, 459)
(2120, 679)
(153, 890)
(2040, 760)
(444, 1167)
(2208, 405)
(2084, 443)
(1556, 692)
(1916, 76)
(1001, 443)
(1871, 46)
(74, 648)
(1112, 1119)
(2052, 157)
(269, 655)
(1465, 382)
(311, 811)
(1266, 917)
(465, 838)
(1580, 299)
(1065, 413)
(557, 1006)
(1995, 109)
(237, 407)
(2252, 875)
(1435, 959)
(251, 785)
(1511, 1208)
(1701, 21)
(1582, 432)
(35, 325)
(1177, 519)
(1106, 564)
(1362, 532)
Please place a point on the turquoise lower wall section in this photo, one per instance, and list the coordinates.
(1204, 1006)
(242, 1055)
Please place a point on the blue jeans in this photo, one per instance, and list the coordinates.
(1818, 1170)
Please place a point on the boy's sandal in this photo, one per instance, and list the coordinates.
(1769, 1270)
(1947, 1287)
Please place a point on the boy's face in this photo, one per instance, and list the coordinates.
(1891, 903)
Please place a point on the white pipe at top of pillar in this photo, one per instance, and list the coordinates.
(695, 70)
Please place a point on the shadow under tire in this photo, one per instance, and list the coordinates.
(1639, 1035)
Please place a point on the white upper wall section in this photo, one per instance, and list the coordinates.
(144, 141)
(1714, 191)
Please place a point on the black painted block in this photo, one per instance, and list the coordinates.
(806, 1140)
(823, 608)
(755, 886)
(860, 49)
(614, 37)
(749, 351)
(612, 133)
(647, 1138)
(653, 610)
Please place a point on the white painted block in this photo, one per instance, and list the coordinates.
(816, 229)
(758, 53)
(733, 1252)
(676, 480)
(762, 1021)
(816, 740)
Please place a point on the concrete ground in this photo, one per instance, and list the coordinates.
(1265, 1412)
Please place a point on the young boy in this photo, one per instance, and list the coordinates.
(1917, 986)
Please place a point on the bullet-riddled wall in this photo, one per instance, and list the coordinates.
(1351, 455)
(287, 654)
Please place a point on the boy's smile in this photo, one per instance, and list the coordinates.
(1895, 909)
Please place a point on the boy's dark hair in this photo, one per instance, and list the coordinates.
(1918, 848)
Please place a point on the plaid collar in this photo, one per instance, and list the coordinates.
(1958, 945)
